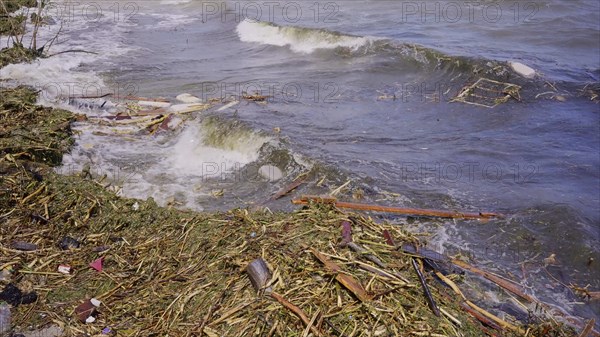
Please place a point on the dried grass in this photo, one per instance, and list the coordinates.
(177, 273)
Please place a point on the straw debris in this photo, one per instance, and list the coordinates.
(180, 273)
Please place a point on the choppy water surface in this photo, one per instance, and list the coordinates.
(361, 91)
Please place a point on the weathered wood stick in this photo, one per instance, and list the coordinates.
(297, 311)
(346, 280)
(479, 316)
(348, 242)
(438, 258)
(430, 301)
(398, 210)
(497, 321)
(588, 328)
(287, 189)
(501, 282)
(136, 98)
(90, 97)
(426, 290)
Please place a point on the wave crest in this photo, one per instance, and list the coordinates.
(299, 39)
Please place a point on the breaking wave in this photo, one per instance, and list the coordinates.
(299, 39)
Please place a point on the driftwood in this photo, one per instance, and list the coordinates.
(90, 97)
(475, 311)
(501, 282)
(287, 189)
(398, 210)
(73, 51)
(589, 327)
(346, 280)
(435, 259)
(297, 311)
(430, 301)
(136, 98)
(502, 324)
(426, 291)
(479, 316)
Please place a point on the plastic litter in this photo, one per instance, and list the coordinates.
(187, 98)
(522, 69)
(64, 269)
(97, 264)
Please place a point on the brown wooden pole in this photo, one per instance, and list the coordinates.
(398, 210)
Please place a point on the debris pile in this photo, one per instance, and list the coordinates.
(488, 93)
(87, 262)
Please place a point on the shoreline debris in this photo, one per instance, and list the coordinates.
(488, 93)
(522, 69)
(87, 312)
(97, 264)
(306, 199)
(180, 272)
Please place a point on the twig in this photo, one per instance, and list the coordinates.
(588, 328)
(287, 189)
(51, 42)
(430, 301)
(297, 311)
(346, 280)
(36, 26)
(426, 290)
(73, 51)
(90, 97)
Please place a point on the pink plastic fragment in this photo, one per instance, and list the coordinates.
(97, 265)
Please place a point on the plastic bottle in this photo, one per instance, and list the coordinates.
(4, 319)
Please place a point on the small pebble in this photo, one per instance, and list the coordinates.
(68, 243)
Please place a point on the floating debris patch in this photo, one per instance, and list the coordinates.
(488, 93)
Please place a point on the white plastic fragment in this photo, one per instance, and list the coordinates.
(227, 106)
(522, 69)
(182, 108)
(153, 104)
(90, 319)
(64, 269)
(135, 206)
(95, 302)
(187, 98)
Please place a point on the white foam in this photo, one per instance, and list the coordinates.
(168, 21)
(64, 74)
(181, 169)
(192, 156)
(300, 40)
(175, 2)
